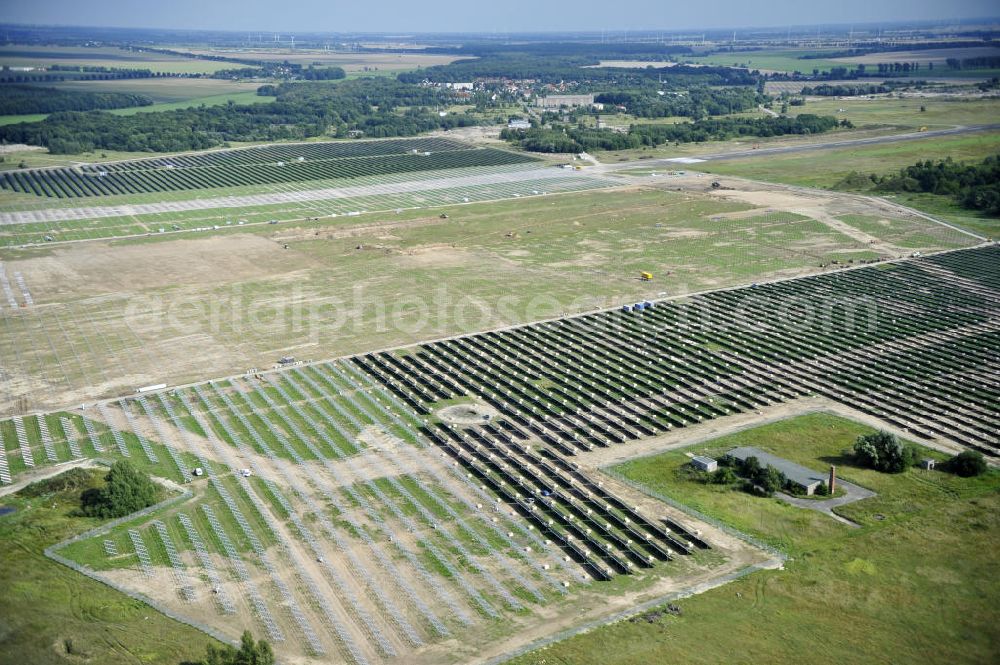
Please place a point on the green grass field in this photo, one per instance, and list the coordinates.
(51, 614)
(825, 168)
(168, 94)
(46, 56)
(915, 583)
(905, 113)
(791, 60)
(781, 60)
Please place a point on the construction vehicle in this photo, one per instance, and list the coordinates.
(923, 129)
(646, 276)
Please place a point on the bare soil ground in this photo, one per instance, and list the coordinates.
(351, 62)
(922, 56)
(89, 270)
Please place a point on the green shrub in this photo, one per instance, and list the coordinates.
(74, 479)
(249, 653)
(967, 464)
(882, 451)
(126, 490)
(723, 476)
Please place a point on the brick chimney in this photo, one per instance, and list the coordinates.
(832, 485)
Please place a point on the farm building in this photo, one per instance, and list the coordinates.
(807, 479)
(703, 463)
(558, 101)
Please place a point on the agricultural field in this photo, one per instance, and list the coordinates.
(767, 60)
(352, 63)
(167, 94)
(41, 57)
(166, 90)
(923, 57)
(889, 590)
(791, 60)
(939, 112)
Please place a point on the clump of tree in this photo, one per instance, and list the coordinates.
(696, 102)
(975, 186)
(749, 475)
(760, 479)
(967, 464)
(972, 186)
(827, 90)
(282, 71)
(723, 476)
(561, 138)
(126, 490)
(883, 451)
(251, 652)
(22, 99)
(990, 84)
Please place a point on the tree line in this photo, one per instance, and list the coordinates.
(981, 62)
(696, 102)
(22, 99)
(558, 139)
(374, 107)
(843, 90)
(575, 68)
(973, 186)
(57, 73)
(281, 71)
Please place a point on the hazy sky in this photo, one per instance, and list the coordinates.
(406, 16)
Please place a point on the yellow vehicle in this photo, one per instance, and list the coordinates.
(923, 129)
(645, 276)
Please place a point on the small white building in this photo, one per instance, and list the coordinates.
(703, 463)
(518, 124)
